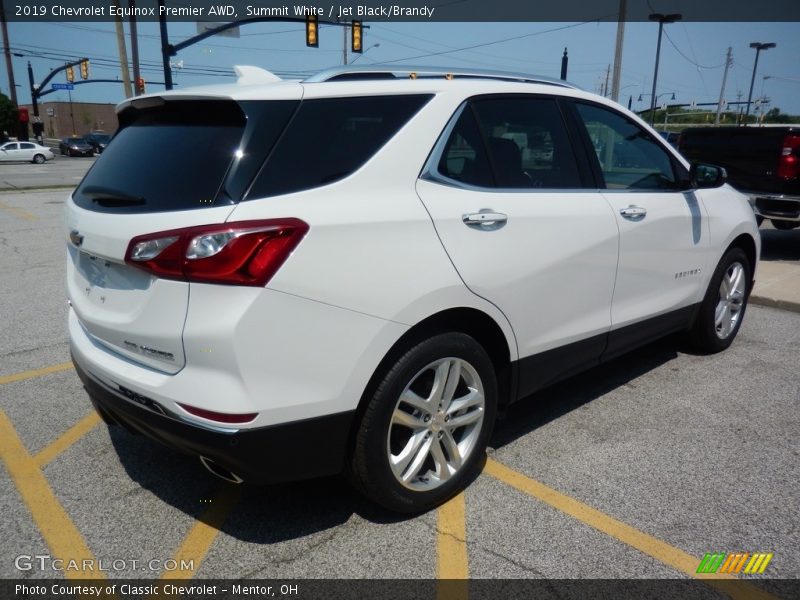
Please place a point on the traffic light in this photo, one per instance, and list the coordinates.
(356, 37)
(140, 85)
(85, 69)
(312, 31)
(70, 74)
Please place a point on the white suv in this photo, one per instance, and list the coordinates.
(354, 272)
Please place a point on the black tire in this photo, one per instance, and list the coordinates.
(707, 335)
(378, 437)
(39, 159)
(784, 225)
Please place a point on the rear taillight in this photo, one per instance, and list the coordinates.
(240, 253)
(789, 162)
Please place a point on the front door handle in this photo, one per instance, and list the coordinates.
(485, 219)
(634, 213)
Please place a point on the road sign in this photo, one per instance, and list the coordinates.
(63, 86)
(203, 26)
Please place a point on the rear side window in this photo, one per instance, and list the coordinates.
(510, 142)
(168, 157)
(329, 139)
(528, 143)
(464, 157)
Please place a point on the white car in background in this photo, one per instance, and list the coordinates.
(25, 152)
(356, 271)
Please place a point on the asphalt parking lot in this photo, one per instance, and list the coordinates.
(634, 470)
(61, 171)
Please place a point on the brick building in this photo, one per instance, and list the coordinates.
(58, 118)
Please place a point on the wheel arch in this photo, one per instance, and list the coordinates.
(470, 321)
(748, 245)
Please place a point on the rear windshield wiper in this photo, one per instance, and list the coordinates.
(110, 196)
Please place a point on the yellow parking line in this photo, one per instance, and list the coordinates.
(198, 541)
(72, 435)
(661, 551)
(57, 529)
(18, 212)
(451, 550)
(35, 373)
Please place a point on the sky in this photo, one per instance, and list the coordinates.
(691, 65)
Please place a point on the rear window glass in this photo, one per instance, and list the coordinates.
(168, 157)
(329, 139)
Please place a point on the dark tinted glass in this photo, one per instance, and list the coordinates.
(464, 158)
(528, 143)
(629, 158)
(168, 157)
(329, 139)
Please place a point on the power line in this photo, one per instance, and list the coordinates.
(696, 64)
(484, 44)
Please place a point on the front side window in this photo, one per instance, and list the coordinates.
(629, 158)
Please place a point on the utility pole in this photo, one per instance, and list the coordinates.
(739, 105)
(618, 52)
(123, 53)
(134, 48)
(605, 85)
(344, 44)
(728, 63)
(662, 19)
(564, 63)
(12, 85)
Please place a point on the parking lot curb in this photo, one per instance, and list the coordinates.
(38, 188)
(775, 303)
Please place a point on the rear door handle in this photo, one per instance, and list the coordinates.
(485, 219)
(634, 213)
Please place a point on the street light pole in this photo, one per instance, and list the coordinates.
(662, 19)
(365, 51)
(759, 47)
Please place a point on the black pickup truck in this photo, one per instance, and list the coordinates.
(762, 162)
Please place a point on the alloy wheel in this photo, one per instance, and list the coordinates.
(731, 300)
(435, 424)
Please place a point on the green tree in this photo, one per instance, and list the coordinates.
(9, 116)
(774, 115)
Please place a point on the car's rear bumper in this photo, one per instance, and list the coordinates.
(298, 450)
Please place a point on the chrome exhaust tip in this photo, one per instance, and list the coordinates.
(220, 471)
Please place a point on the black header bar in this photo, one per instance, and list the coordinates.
(406, 10)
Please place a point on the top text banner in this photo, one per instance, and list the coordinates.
(403, 10)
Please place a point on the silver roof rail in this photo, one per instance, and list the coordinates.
(377, 71)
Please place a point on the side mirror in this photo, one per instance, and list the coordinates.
(707, 176)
